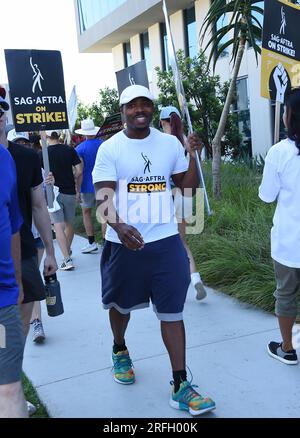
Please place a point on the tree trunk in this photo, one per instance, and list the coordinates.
(216, 144)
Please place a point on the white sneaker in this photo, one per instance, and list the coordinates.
(30, 408)
(67, 265)
(89, 248)
(200, 289)
(38, 332)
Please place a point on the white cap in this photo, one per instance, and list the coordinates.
(13, 136)
(50, 132)
(87, 128)
(167, 111)
(133, 92)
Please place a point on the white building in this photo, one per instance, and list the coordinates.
(133, 30)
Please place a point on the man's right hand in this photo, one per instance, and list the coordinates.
(130, 237)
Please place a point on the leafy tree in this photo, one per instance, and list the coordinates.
(243, 27)
(206, 97)
(107, 104)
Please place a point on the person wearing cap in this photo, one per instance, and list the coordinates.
(12, 401)
(65, 165)
(143, 257)
(87, 151)
(171, 123)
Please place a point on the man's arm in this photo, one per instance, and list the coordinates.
(78, 174)
(128, 235)
(16, 256)
(190, 178)
(43, 224)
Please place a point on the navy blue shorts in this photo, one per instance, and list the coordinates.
(160, 272)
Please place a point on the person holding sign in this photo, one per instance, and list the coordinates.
(171, 123)
(281, 183)
(143, 257)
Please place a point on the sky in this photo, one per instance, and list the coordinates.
(51, 25)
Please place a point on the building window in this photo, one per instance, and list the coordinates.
(127, 54)
(145, 52)
(190, 32)
(242, 110)
(164, 45)
(92, 11)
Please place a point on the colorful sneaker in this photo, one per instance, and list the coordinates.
(187, 399)
(288, 357)
(122, 367)
(38, 332)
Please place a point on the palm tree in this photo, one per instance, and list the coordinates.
(243, 27)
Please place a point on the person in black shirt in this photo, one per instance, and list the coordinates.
(66, 167)
(32, 204)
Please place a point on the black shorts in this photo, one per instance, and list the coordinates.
(159, 272)
(33, 286)
(12, 342)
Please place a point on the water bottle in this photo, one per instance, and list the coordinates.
(54, 302)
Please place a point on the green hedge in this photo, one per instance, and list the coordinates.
(233, 252)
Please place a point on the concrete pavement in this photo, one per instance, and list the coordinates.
(226, 351)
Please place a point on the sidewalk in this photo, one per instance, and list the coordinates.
(226, 351)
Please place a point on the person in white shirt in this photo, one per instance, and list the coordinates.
(281, 183)
(143, 257)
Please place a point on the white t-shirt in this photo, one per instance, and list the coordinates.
(142, 171)
(281, 181)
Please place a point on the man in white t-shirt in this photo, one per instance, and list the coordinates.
(143, 258)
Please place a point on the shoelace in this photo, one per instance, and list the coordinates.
(188, 393)
(122, 362)
(37, 327)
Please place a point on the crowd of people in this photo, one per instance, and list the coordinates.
(145, 257)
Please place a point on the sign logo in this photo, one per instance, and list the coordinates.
(131, 79)
(37, 77)
(283, 22)
(147, 163)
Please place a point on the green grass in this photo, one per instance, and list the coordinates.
(233, 252)
(31, 395)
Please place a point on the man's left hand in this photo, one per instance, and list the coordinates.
(50, 265)
(193, 144)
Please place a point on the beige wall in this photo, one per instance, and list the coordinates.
(135, 44)
(156, 57)
(177, 28)
(118, 56)
(201, 9)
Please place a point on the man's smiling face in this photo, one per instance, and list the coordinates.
(138, 114)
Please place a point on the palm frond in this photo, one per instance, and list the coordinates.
(244, 23)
